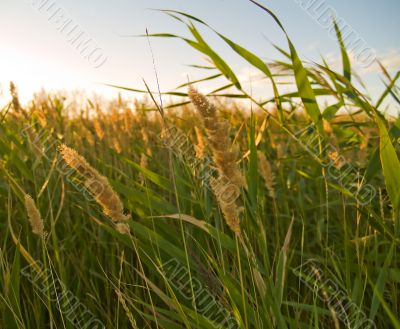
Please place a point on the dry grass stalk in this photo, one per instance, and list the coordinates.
(218, 136)
(41, 118)
(230, 176)
(116, 145)
(123, 228)
(327, 127)
(128, 313)
(128, 122)
(98, 129)
(201, 146)
(34, 217)
(97, 184)
(15, 99)
(146, 141)
(89, 137)
(144, 162)
(336, 159)
(226, 196)
(266, 173)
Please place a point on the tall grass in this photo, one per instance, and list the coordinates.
(311, 249)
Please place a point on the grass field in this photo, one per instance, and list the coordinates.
(203, 214)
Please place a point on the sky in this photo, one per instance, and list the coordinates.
(60, 44)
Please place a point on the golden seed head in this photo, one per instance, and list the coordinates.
(116, 145)
(145, 135)
(218, 135)
(98, 129)
(327, 127)
(75, 160)
(335, 158)
(144, 162)
(123, 228)
(127, 120)
(15, 98)
(88, 135)
(202, 104)
(34, 217)
(266, 173)
(227, 195)
(227, 187)
(201, 146)
(40, 116)
(129, 314)
(97, 184)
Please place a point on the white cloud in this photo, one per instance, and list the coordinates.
(390, 60)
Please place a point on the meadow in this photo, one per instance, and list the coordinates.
(203, 213)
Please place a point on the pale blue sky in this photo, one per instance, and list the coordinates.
(34, 53)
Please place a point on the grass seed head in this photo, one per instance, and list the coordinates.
(123, 228)
(97, 184)
(218, 135)
(226, 197)
(265, 169)
(34, 217)
(201, 102)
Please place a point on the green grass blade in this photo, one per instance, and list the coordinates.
(345, 56)
(390, 164)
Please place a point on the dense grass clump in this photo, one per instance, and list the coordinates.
(143, 216)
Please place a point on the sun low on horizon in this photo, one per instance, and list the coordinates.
(43, 42)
